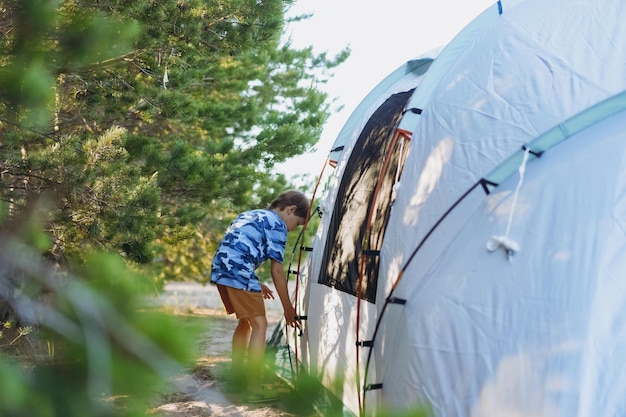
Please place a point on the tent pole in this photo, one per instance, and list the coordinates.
(365, 243)
(300, 250)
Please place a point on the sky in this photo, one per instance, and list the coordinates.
(382, 35)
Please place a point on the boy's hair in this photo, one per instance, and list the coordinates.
(291, 198)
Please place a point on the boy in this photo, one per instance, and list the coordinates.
(252, 238)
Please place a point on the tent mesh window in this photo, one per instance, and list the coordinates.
(347, 239)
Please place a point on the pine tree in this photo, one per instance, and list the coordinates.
(144, 120)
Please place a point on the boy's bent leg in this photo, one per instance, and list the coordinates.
(241, 336)
(256, 350)
(249, 336)
(256, 361)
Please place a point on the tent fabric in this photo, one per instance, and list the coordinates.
(559, 133)
(479, 332)
(403, 78)
(530, 71)
(541, 334)
(330, 312)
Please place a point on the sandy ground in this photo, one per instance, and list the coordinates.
(198, 393)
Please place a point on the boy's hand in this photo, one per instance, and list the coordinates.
(291, 318)
(267, 292)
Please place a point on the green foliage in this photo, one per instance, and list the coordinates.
(91, 346)
(20, 332)
(141, 121)
(130, 133)
(309, 396)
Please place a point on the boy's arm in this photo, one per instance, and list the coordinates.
(280, 283)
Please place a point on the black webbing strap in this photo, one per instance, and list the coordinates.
(396, 300)
(373, 386)
(530, 151)
(370, 252)
(413, 110)
(306, 248)
(365, 343)
(486, 184)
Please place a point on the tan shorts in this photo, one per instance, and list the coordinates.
(241, 302)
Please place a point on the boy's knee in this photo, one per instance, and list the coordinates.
(258, 323)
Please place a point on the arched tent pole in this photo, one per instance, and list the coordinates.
(296, 245)
(419, 67)
(535, 148)
(366, 243)
(301, 248)
(393, 300)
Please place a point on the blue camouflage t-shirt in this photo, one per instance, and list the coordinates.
(252, 238)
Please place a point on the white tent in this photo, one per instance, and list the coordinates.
(472, 249)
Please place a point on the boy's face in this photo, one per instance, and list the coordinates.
(291, 219)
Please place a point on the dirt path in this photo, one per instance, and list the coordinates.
(198, 393)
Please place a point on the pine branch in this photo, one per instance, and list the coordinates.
(102, 64)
